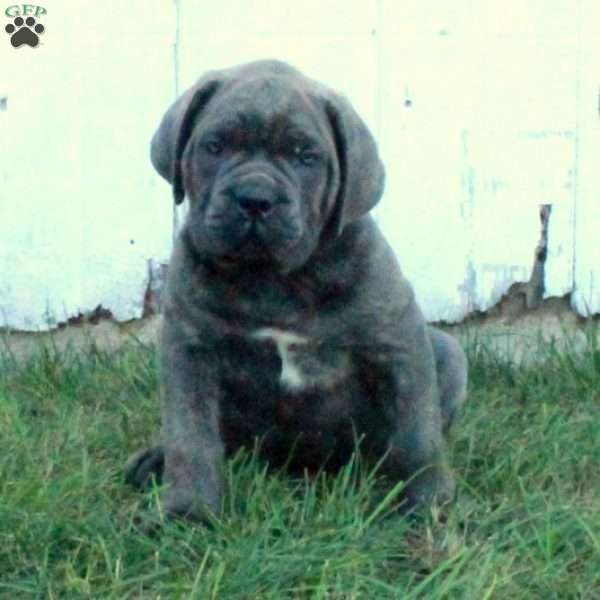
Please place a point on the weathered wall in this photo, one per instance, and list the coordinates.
(80, 211)
(483, 111)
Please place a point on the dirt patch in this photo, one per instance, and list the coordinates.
(106, 334)
(510, 328)
(523, 334)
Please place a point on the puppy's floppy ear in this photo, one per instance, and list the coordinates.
(362, 174)
(175, 129)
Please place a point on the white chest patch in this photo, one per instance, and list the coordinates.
(287, 343)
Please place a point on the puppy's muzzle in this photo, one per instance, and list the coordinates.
(254, 195)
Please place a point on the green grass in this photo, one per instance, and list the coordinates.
(526, 522)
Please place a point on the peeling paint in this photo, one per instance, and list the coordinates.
(93, 317)
(521, 296)
(536, 286)
(157, 274)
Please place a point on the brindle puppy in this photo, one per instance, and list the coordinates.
(286, 315)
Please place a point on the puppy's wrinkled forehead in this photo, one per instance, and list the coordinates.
(264, 109)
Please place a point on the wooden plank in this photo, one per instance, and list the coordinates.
(586, 297)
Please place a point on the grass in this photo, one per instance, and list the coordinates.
(526, 522)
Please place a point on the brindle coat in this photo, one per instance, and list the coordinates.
(286, 316)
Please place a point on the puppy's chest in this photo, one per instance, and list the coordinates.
(289, 362)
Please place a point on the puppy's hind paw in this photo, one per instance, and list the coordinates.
(144, 466)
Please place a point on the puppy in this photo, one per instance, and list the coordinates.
(286, 316)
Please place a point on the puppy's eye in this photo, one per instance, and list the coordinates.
(305, 156)
(213, 147)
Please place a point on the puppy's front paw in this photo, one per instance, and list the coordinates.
(432, 485)
(178, 497)
(185, 503)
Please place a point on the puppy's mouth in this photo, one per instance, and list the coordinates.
(238, 231)
(243, 240)
(254, 243)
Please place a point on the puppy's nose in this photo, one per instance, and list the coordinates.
(255, 207)
(254, 201)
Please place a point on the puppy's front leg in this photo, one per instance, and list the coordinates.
(417, 450)
(413, 441)
(193, 467)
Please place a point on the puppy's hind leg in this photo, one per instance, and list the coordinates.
(451, 369)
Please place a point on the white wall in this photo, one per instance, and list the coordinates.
(80, 210)
(483, 111)
(586, 296)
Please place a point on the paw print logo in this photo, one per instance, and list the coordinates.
(24, 32)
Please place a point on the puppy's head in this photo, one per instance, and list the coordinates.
(271, 162)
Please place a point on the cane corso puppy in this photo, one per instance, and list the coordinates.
(286, 317)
